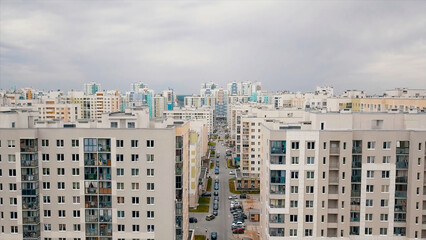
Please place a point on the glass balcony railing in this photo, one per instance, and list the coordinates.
(356, 179)
(402, 165)
(357, 150)
(402, 150)
(401, 194)
(356, 164)
(402, 179)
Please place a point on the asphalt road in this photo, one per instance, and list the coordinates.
(222, 223)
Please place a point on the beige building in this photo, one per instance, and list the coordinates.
(351, 176)
(93, 181)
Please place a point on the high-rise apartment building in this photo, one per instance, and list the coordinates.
(93, 181)
(351, 176)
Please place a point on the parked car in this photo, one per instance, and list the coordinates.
(243, 196)
(210, 217)
(193, 220)
(216, 171)
(238, 230)
(216, 180)
(206, 194)
(216, 198)
(213, 236)
(216, 193)
(215, 212)
(216, 186)
(215, 206)
(231, 173)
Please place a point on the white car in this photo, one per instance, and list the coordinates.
(231, 173)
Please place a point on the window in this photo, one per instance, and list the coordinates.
(370, 159)
(371, 145)
(309, 189)
(114, 125)
(384, 217)
(293, 204)
(135, 214)
(13, 201)
(76, 199)
(310, 160)
(135, 186)
(62, 227)
(385, 188)
(75, 143)
(61, 185)
(310, 145)
(59, 142)
(12, 172)
(370, 174)
(293, 218)
(293, 232)
(150, 186)
(384, 202)
(134, 143)
(46, 199)
(135, 200)
(77, 228)
(47, 213)
(61, 171)
(47, 227)
(294, 174)
(120, 200)
(120, 186)
(150, 228)
(150, 143)
(150, 172)
(310, 174)
(61, 213)
(131, 125)
(10, 143)
(76, 213)
(370, 188)
(45, 157)
(150, 157)
(324, 145)
(150, 200)
(309, 204)
(150, 214)
(135, 228)
(386, 159)
(120, 171)
(13, 215)
(368, 217)
(75, 157)
(46, 185)
(135, 171)
(120, 143)
(294, 145)
(369, 202)
(294, 160)
(386, 145)
(294, 189)
(45, 142)
(121, 227)
(309, 218)
(61, 199)
(385, 174)
(119, 157)
(11, 158)
(60, 157)
(120, 214)
(76, 172)
(383, 231)
(14, 229)
(135, 157)
(368, 231)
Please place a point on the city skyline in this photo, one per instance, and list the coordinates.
(278, 43)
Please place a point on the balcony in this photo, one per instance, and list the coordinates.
(29, 177)
(402, 165)
(276, 218)
(29, 163)
(28, 145)
(356, 179)
(402, 179)
(277, 189)
(334, 149)
(278, 147)
(31, 220)
(355, 193)
(31, 234)
(401, 194)
(402, 150)
(356, 150)
(356, 164)
(280, 160)
(30, 192)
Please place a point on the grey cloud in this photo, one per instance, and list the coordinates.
(286, 45)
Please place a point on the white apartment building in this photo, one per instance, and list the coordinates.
(114, 180)
(206, 113)
(351, 176)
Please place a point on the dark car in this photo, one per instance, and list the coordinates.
(215, 212)
(216, 198)
(206, 194)
(215, 206)
(193, 220)
(213, 236)
(216, 193)
(243, 196)
(210, 217)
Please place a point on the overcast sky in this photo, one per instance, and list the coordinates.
(287, 45)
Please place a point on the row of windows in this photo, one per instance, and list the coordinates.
(76, 143)
(308, 232)
(370, 145)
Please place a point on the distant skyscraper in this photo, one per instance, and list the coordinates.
(91, 88)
